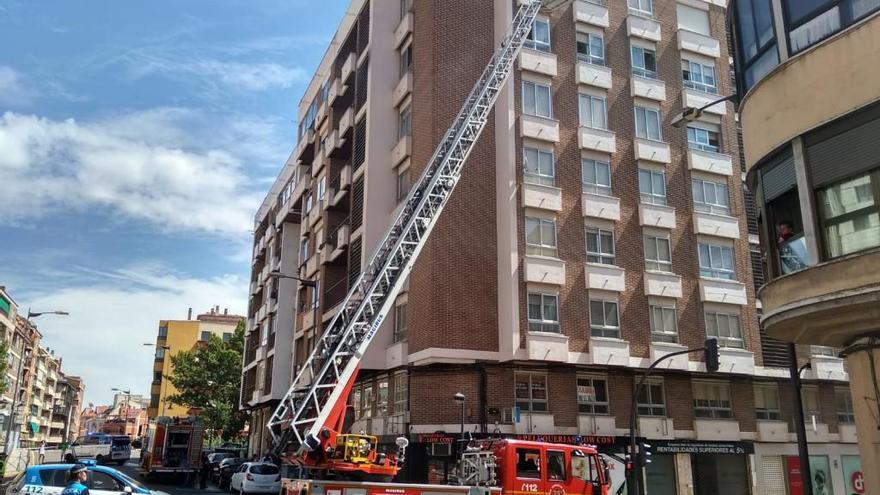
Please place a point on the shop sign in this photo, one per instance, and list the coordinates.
(573, 439)
(852, 474)
(434, 438)
(686, 447)
(586, 393)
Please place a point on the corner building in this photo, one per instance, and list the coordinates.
(587, 238)
(811, 134)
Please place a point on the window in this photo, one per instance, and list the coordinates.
(844, 406)
(403, 184)
(644, 62)
(648, 123)
(406, 60)
(664, 325)
(590, 48)
(600, 246)
(356, 401)
(694, 20)
(556, 465)
(163, 331)
(592, 111)
(304, 250)
(405, 7)
(540, 237)
(592, 395)
(712, 400)
(698, 76)
(658, 255)
(603, 319)
(543, 312)
(822, 350)
(756, 42)
(851, 215)
(538, 167)
(650, 399)
(205, 336)
(160, 353)
(103, 481)
(644, 7)
(710, 196)
(810, 402)
(531, 392)
(539, 36)
(724, 327)
(157, 377)
(767, 402)
(400, 323)
(404, 123)
(528, 464)
(382, 396)
(367, 401)
(53, 477)
(401, 392)
(652, 186)
(264, 332)
(596, 177)
(536, 99)
(322, 188)
(308, 206)
(316, 295)
(716, 261)
(703, 139)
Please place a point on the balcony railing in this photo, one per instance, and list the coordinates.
(646, 73)
(335, 293)
(333, 236)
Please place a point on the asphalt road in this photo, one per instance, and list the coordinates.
(168, 485)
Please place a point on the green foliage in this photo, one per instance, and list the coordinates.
(209, 378)
(4, 367)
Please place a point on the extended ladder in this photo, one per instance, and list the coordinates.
(321, 387)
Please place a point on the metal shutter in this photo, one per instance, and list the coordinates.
(847, 154)
(778, 179)
(773, 480)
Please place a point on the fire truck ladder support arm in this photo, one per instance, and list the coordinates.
(318, 395)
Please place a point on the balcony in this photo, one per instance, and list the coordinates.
(337, 89)
(401, 151)
(348, 67)
(773, 431)
(336, 293)
(698, 43)
(735, 360)
(660, 349)
(547, 346)
(642, 27)
(605, 277)
(346, 122)
(723, 291)
(304, 173)
(590, 138)
(591, 13)
(334, 144)
(609, 352)
(716, 429)
(312, 265)
(538, 61)
(827, 368)
(306, 146)
(321, 114)
(337, 241)
(403, 89)
(656, 216)
(653, 151)
(316, 212)
(544, 270)
(593, 75)
(404, 28)
(540, 196)
(709, 161)
(656, 428)
(598, 206)
(716, 225)
(596, 425)
(645, 87)
(697, 99)
(662, 284)
(339, 186)
(539, 128)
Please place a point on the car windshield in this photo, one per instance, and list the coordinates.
(121, 441)
(135, 484)
(264, 469)
(232, 461)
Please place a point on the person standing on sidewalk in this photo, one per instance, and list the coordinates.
(43, 452)
(203, 472)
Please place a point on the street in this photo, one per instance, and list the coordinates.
(168, 485)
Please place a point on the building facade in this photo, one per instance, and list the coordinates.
(587, 238)
(181, 335)
(14, 342)
(811, 128)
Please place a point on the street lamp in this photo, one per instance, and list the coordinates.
(459, 397)
(163, 385)
(34, 314)
(690, 114)
(304, 282)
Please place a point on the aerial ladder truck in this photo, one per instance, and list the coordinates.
(308, 427)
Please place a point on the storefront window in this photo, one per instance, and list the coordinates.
(851, 215)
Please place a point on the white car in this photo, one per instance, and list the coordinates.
(256, 477)
(103, 448)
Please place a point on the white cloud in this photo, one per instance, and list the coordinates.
(110, 319)
(146, 166)
(14, 90)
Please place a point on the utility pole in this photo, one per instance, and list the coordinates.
(800, 427)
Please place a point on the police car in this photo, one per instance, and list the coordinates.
(50, 479)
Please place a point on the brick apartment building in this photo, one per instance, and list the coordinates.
(587, 238)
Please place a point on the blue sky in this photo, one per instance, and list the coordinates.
(137, 139)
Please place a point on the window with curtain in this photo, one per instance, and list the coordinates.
(710, 196)
(592, 111)
(755, 40)
(716, 261)
(699, 76)
(543, 312)
(644, 62)
(596, 177)
(541, 237)
(604, 320)
(712, 400)
(650, 399)
(600, 246)
(648, 123)
(539, 36)
(843, 400)
(767, 402)
(642, 7)
(724, 327)
(703, 139)
(538, 166)
(664, 324)
(536, 99)
(652, 186)
(658, 255)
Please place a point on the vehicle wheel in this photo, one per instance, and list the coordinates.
(99, 459)
(69, 458)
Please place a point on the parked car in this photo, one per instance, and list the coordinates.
(214, 459)
(256, 477)
(226, 469)
(52, 478)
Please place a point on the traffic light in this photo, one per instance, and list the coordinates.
(711, 355)
(644, 454)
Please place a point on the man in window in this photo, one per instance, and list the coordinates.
(792, 255)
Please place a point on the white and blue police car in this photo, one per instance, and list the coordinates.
(50, 479)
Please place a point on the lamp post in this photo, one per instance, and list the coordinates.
(304, 282)
(163, 385)
(690, 114)
(799, 425)
(459, 397)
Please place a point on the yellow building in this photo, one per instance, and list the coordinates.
(183, 335)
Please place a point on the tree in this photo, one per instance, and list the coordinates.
(4, 368)
(209, 378)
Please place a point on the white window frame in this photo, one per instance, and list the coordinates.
(592, 111)
(811, 394)
(404, 122)
(694, 76)
(657, 314)
(701, 189)
(592, 407)
(659, 263)
(595, 187)
(401, 323)
(845, 414)
(644, 116)
(652, 408)
(405, 61)
(713, 261)
(536, 89)
(639, 61)
(537, 175)
(599, 255)
(544, 324)
(700, 139)
(531, 401)
(718, 320)
(604, 328)
(544, 247)
(400, 395)
(712, 400)
(588, 40)
(649, 195)
(403, 184)
(541, 24)
(322, 188)
(768, 412)
(382, 396)
(642, 7)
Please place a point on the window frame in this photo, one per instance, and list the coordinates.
(404, 122)
(531, 400)
(646, 128)
(603, 329)
(716, 272)
(845, 414)
(652, 408)
(761, 49)
(687, 76)
(405, 61)
(806, 392)
(542, 324)
(401, 333)
(663, 335)
(537, 177)
(704, 206)
(725, 341)
(533, 44)
(589, 57)
(713, 405)
(767, 413)
(652, 197)
(403, 184)
(541, 249)
(639, 9)
(535, 86)
(588, 111)
(400, 393)
(697, 144)
(639, 56)
(595, 188)
(826, 222)
(590, 407)
(600, 257)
